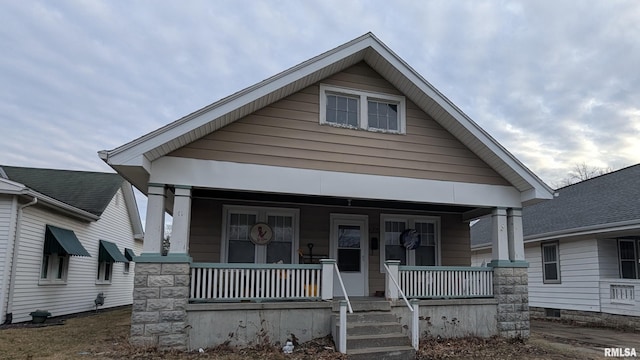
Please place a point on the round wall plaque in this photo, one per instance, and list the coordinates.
(261, 234)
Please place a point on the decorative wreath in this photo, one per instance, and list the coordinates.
(410, 239)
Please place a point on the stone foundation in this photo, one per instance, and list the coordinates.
(510, 289)
(160, 297)
(588, 317)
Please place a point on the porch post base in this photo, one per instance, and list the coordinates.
(160, 297)
(510, 289)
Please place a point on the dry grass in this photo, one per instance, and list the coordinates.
(104, 335)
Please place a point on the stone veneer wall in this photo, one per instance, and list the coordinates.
(510, 289)
(589, 317)
(160, 297)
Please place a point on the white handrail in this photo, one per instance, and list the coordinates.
(398, 286)
(346, 297)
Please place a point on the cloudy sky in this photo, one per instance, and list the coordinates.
(555, 82)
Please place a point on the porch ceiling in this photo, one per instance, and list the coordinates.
(329, 201)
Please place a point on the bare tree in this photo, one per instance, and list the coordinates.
(582, 172)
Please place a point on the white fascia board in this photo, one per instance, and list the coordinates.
(263, 178)
(586, 230)
(137, 148)
(11, 187)
(132, 209)
(541, 188)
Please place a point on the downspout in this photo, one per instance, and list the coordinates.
(14, 262)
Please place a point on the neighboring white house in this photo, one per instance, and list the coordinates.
(65, 237)
(583, 248)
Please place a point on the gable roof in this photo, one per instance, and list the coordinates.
(133, 160)
(89, 191)
(607, 202)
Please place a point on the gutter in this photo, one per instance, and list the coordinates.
(61, 206)
(14, 261)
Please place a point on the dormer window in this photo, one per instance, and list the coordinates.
(357, 109)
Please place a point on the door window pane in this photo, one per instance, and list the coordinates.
(628, 261)
(393, 250)
(281, 244)
(349, 247)
(241, 249)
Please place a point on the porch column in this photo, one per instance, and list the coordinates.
(179, 242)
(391, 290)
(154, 224)
(499, 237)
(516, 239)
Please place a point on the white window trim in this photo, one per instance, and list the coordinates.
(101, 272)
(410, 220)
(126, 267)
(52, 270)
(363, 97)
(557, 262)
(261, 216)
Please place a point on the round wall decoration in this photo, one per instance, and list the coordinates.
(410, 239)
(261, 234)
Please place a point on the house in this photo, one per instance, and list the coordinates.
(300, 188)
(583, 248)
(65, 237)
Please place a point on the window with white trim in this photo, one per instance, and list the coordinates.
(358, 109)
(550, 263)
(236, 240)
(428, 228)
(628, 256)
(105, 272)
(54, 268)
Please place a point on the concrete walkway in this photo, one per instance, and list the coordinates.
(589, 340)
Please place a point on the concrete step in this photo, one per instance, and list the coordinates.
(374, 328)
(370, 317)
(376, 341)
(365, 306)
(383, 353)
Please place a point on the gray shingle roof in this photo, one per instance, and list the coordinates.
(606, 199)
(89, 191)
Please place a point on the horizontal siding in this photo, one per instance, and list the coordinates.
(7, 216)
(579, 274)
(78, 293)
(288, 133)
(206, 232)
(608, 253)
(481, 257)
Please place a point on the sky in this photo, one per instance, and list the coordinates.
(557, 83)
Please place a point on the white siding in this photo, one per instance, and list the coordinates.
(579, 274)
(80, 290)
(629, 307)
(608, 254)
(7, 217)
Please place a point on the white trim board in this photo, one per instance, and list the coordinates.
(252, 177)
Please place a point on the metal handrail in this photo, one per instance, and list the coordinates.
(398, 286)
(346, 297)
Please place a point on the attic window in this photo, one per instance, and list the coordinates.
(357, 109)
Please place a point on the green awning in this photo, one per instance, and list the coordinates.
(129, 254)
(109, 252)
(62, 241)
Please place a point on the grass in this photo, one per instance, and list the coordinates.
(104, 336)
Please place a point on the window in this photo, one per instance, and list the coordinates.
(108, 254)
(550, 263)
(427, 254)
(54, 268)
(237, 246)
(628, 254)
(359, 109)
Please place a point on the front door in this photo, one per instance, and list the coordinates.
(349, 234)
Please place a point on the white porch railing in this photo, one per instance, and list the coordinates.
(446, 281)
(214, 281)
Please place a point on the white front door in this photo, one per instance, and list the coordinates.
(349, 235)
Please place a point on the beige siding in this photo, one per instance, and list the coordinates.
(7, 217)
(206, 232)
(78, 293)
(288, 133)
